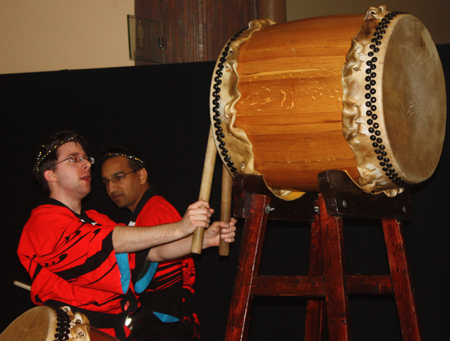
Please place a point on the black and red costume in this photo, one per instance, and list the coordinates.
(71, 261)
(167, 306)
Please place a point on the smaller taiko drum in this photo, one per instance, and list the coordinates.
(363, 94)
(43, 323)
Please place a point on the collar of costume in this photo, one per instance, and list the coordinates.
(149, 193)
(52, 201)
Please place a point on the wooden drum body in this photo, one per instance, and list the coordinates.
(360, 93)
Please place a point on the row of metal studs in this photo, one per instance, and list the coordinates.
(371, 100)
(216, 95)
(63, 325)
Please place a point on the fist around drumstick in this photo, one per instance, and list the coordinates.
(219, 229)
(197, 215)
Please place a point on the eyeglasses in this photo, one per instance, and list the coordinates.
(115, 179)
(77, 159)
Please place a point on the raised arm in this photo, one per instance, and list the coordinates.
(132, 239)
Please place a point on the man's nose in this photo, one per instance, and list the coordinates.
(110, 186)
(86, 164)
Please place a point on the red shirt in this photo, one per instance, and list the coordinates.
(70, 259)
(171, 290)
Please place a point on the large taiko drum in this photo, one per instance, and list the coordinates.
(43, 323)
(360, 93)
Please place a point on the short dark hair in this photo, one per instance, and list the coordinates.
(132, 154)
(47, 154)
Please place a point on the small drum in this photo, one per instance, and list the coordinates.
(360, 93)
(43, 323)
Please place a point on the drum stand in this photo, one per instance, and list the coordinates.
(327, 286)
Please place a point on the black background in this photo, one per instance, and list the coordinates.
(164, 111)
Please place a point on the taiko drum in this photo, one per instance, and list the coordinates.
(360, 93)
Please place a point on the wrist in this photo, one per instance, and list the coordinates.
(178, 231)
(210, 242)
(206, 244)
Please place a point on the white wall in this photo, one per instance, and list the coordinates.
(48, 35)
(434, 14)
(45, 35)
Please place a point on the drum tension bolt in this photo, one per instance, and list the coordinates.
(269, 209)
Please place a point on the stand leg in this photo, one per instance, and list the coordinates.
(335, 285)
(248, 266)
(315, 312)
(404, 295)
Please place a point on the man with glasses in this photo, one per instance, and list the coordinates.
(82, 259)
(167, 306)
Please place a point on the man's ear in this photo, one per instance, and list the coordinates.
(143, 176)
(50, 175)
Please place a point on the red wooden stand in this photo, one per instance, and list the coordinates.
(326, 286)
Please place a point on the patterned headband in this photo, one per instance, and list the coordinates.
(44, 153)
(131, 157)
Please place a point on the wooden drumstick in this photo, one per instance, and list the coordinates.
(225, 208)
(205, 189)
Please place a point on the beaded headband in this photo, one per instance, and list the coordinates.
(44, 153)
(131, 157)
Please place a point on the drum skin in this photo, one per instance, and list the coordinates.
(288, 102)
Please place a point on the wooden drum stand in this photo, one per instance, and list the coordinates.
(327, 286)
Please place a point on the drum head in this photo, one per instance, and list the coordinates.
(414, 99)
(32, 325)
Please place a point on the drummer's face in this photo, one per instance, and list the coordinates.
(124, 186)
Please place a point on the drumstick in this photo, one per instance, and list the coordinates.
(22, 285)
(225, 207)
(205, 189)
